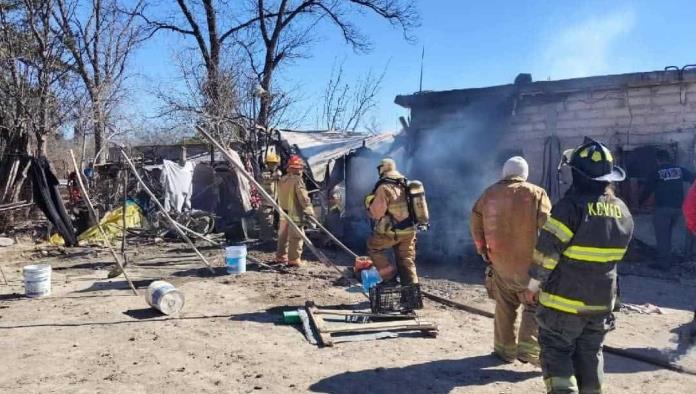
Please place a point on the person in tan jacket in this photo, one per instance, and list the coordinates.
(394, 228)
(269, 181)
(294, 200)
(504, 224)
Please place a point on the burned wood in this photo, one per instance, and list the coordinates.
(358, 325)
(318, 322)
(457, 305)
(18, 205)
(102, 233)
(173, 224)
(381, 326)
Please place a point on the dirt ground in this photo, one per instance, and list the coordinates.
(94, 336)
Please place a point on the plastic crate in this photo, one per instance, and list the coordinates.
(390, 299)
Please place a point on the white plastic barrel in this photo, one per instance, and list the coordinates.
(235, 259)
(37, 280)
(164, 297)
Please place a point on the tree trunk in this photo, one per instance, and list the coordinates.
(267, 98)
(99, 134)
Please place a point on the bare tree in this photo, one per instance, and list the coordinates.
(285, 27)
(35, 87)
(345, 105)
(99, 44)
(211, 25)
(270, 33)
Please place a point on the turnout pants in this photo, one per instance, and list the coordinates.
(571, 350)
(404, 246)
(266, 230)
(664, 220)
(290, 243)
(508, 344)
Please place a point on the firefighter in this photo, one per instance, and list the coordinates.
(394, 227)
(504, 224)
(269, 180)
(294, 200)
(667, 184)
(574, 278)
(333, 217)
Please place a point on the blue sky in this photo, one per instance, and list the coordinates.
(473, 44)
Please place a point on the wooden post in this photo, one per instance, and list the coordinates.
(173, 224)
(125, 200)
(93, 213)
(321, 256)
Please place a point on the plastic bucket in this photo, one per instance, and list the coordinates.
(37, 280)
(235, 259)
(370, 278)
(164, 297)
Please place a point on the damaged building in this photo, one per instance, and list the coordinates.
(457, 139)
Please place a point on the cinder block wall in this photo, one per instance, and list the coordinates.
(621, 118)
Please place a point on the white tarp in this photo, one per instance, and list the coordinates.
(321, 146)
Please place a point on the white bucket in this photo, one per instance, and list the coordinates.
(164, 297)
(37, 280)
(235, 259)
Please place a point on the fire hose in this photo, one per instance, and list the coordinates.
(481, 312)
(468, 308)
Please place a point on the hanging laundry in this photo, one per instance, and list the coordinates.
(178, 185)
(244, 189)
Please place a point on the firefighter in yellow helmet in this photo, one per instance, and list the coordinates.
(394, 227)
(294, 200)
(269, 181)
(574, 275)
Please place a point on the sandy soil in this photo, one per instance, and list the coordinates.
(92, 335)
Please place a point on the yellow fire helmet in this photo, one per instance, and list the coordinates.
(272, 158)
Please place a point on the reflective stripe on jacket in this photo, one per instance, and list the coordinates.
(577, 251)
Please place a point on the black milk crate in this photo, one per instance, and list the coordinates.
(389, 299)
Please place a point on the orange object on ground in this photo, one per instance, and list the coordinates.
(362, 263)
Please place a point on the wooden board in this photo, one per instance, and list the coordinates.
(319, 325)
(349, 322)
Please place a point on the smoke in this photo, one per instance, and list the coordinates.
(586, 48)
(454, 153)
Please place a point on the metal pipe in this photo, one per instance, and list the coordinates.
(172, 222)
(93, 213)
